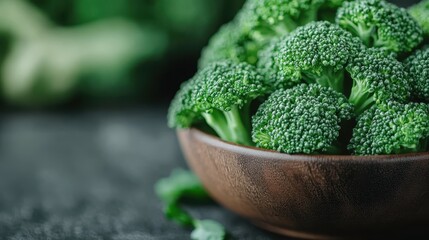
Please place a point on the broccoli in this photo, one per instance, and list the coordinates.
(180, 113)
(420, 12)
(376, 78)
(258, 23)
(391, 128)
(303, 119)
(229, 43)
(268, 18)
(267, 65)
(183, 184)
(418, 67)
(317, 53)
(220, 93)
(380, 24)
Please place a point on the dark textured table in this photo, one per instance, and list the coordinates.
(90, 175)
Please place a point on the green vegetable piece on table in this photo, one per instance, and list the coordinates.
(208, 230)
(182, 184)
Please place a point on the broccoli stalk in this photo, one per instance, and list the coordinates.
(220, 94)
(380, 24)
(303, 119)
(376, 78)
(230, 125)
(326, 77)
(361, 97)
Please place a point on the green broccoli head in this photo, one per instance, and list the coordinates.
(181, 113)
(376, 78)
(304, 119)
(317, 52)
(229, 43)
(418, 67)
(225, 85)
(268, 18)
(420, 12)
(220, 93)
(391, 128)
(380, 24)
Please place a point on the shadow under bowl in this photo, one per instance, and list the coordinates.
(313, 196)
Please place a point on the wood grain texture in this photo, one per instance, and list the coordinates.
(317, 195)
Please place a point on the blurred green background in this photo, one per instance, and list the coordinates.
(63, 54)
(75, 53)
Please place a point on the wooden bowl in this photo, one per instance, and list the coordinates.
(313, 196)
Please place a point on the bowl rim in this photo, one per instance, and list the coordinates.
(249, 150)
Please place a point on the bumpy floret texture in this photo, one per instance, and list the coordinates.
(180, 113)
(303, 119)
(418, 66)
(225, 84)
(420, 12)
(220, 94)
(391, 128)
(380, 24)
(316, 52)
(377, 78)
(277, 17)
(229, 43)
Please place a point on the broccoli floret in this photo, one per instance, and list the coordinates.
(391, 128)
(376, 78)
(420, 13)
(380, 24)
(220, 93)
(267, 65)
(303, 119)
(267, 18)
(418, 67)
(317, 53)
(180, 113)
(229, 43)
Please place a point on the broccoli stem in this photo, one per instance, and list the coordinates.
(310, 15)
(411, 148)
(285, 27)
(267, 32)
(217, 121)
(230, 125)
(334, 149)
(363, 32)
(360, 97)
(384, 45)
(332, 79)
(245, 115)
(239, 133)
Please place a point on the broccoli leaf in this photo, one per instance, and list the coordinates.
(177, 214)
(180, 184)
(208, 230)
(183, 184)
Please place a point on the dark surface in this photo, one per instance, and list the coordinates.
(90, 175)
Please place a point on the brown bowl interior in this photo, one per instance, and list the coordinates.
(312, 195)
